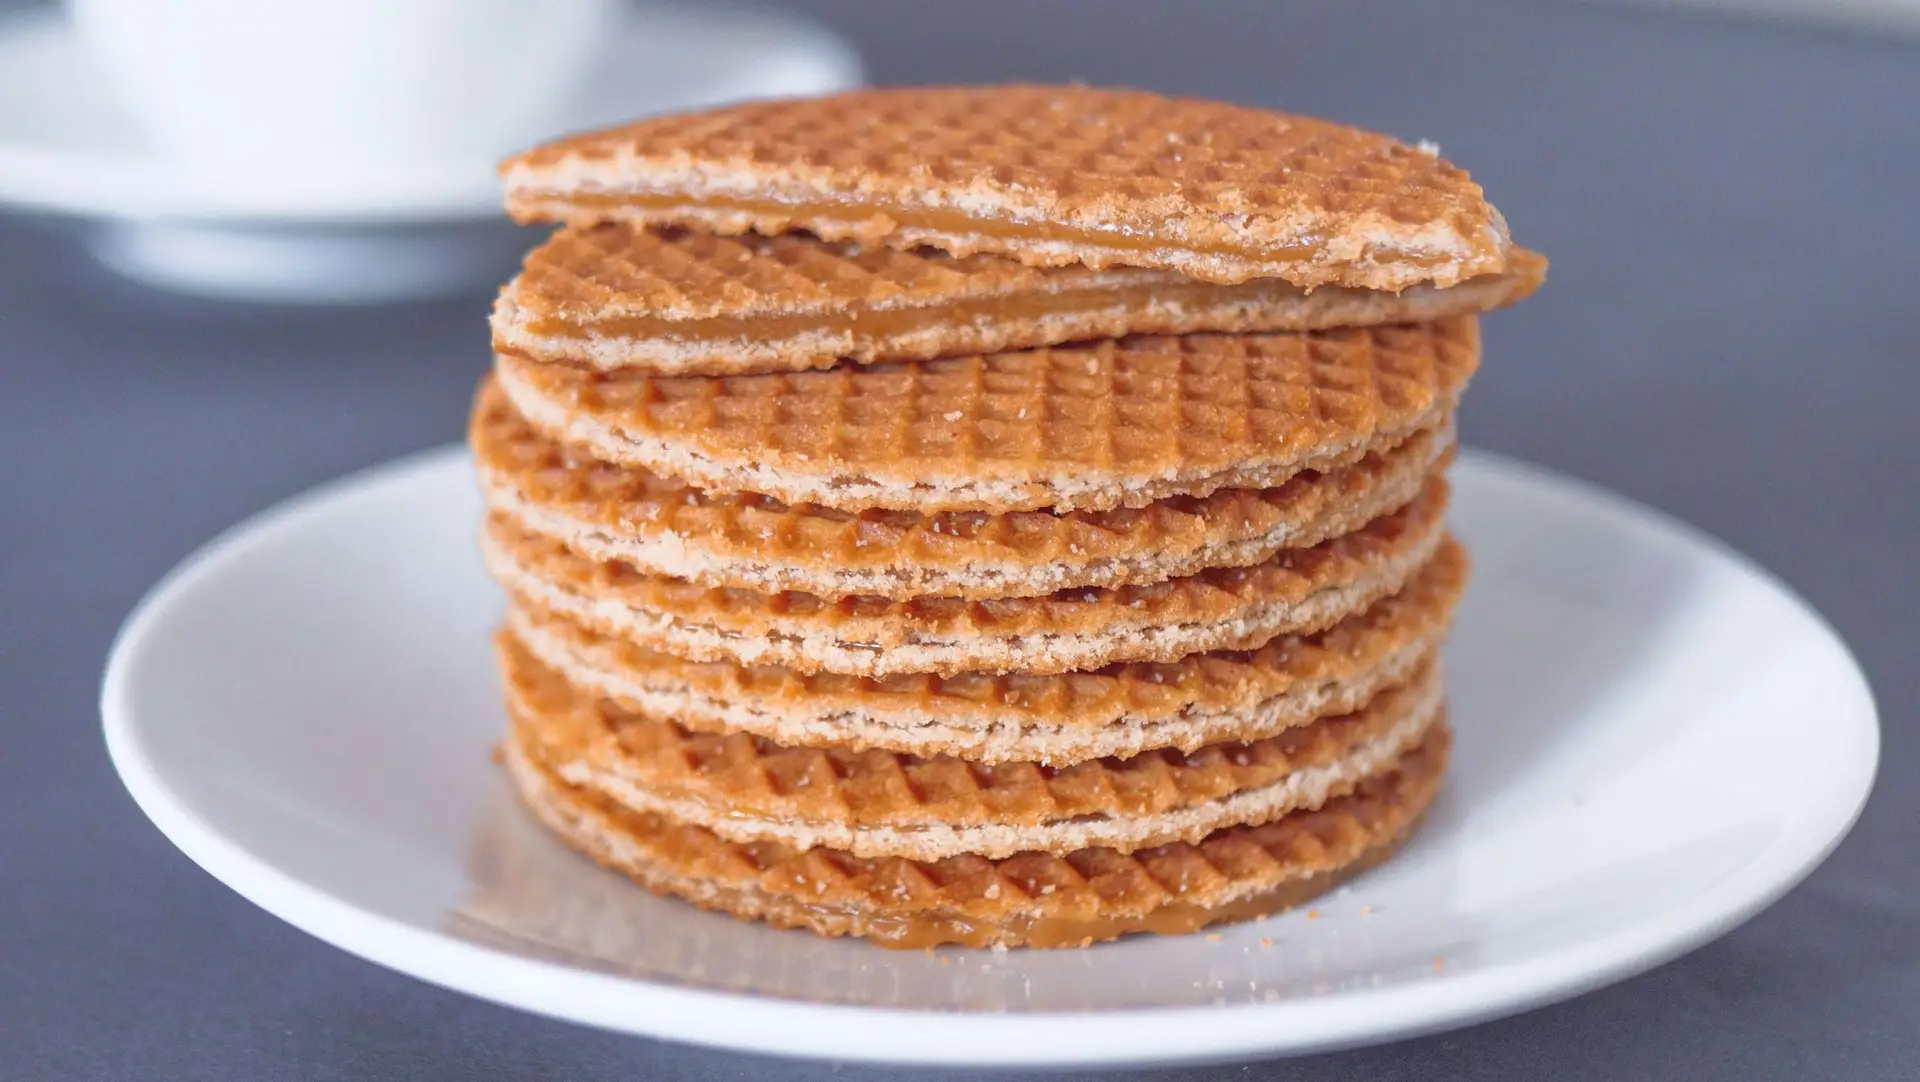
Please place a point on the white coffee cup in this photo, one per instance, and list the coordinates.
(343, 84)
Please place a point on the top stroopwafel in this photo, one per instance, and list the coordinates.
(675, 302)
(1094, 425)
(1047, 175)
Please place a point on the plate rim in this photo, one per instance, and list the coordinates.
(750, 1022)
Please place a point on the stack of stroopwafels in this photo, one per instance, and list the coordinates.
(999, 516)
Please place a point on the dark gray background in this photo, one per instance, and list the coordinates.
(1728, 334)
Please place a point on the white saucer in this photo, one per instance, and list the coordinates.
(66, 146)
(1655, 741)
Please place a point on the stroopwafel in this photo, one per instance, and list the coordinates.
(662, 526)
(1297, 590)
(675, 302)
(1063, 718)
(1029, 899)
(1090, 426)
(1049, 175)
(877, 803)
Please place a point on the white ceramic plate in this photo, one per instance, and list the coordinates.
(1655, 741)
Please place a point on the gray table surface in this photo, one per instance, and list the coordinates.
(1731, 210)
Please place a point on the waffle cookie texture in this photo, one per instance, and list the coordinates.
(1054, 719)
(1218, 609)
(1093, 426)
(1035, 899)
(675, 302)
(877, 803)
(1005, 516)
(1050, 176)
(666, 527)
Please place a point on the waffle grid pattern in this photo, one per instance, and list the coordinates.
(1166, 181)
(1215, 594)
(675, 302)
(615, 269)
(1128, 411)
(753, 541)
(1007, 898)
(743, 775)
(1215, 682)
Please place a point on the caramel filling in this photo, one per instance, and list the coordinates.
(940, 220)
(870, 323)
